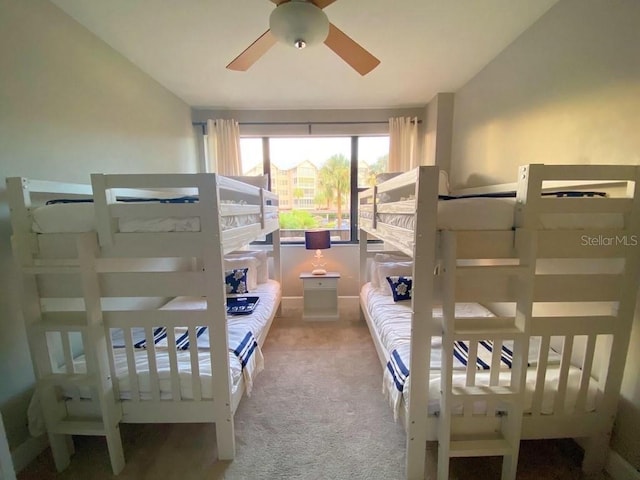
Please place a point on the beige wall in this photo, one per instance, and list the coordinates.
(566, 91)
(69, 106)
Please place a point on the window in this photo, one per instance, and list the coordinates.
(312, 177)
(251, 155)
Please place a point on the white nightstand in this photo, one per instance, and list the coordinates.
(320, 296)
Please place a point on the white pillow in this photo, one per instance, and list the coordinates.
(385, 270)
(443, 183)
(383, 258)
(244, 262)
(262, 274)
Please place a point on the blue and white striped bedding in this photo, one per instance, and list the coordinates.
(393, 324)
(245, 356)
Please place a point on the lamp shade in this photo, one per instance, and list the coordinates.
(299, 24)
(317, 240)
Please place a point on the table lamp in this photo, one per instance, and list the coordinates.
(317, 240)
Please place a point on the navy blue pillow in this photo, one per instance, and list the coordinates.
(400, 287)
(236, 280)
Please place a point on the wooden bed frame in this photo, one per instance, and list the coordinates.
(536, 280)
(69, 278)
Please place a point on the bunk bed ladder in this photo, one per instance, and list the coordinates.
(54, 385)
(499, 400)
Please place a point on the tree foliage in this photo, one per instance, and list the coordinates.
(297, 220)
(334, 181)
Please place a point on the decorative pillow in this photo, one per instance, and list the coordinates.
(236, 281)
(400, 287)
(404, 269)
(248, 263)
(379, 259)
(262, 272)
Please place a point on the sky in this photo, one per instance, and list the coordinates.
(288, 152)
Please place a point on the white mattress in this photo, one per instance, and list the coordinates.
(484, 214)
(256, 322)
(80, 217)
(269, 294)
(392, 322)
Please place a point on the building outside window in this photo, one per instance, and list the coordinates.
(312, 177)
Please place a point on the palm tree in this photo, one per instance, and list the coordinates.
(379, 166)
(334, 181)
(298, 193)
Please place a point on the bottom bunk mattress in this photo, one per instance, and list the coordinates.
(391, 323)
(246, 334)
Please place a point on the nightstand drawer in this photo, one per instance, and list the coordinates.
(320, 283)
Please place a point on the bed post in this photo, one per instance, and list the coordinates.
(422, 327)
(597, 446)
(362, 240)
(277, 264)
(22, 246)
(213, 264)
(6, 463)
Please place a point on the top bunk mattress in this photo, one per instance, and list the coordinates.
(483, 213)
(80, 217)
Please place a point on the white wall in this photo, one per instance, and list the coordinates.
(566, 91)
(69, 106)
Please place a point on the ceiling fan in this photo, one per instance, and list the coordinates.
(301, 23)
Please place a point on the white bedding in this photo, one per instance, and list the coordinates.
(237, 325)
(483, 214)
(80, 217)
(392, 322)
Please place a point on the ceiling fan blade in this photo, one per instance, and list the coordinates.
(251, 55)
(322, 3)
(317, 3)
(352, 53)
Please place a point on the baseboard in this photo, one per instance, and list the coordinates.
(27, 451)
(348, 307)
(620, 469)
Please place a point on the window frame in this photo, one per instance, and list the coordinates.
(354, 188)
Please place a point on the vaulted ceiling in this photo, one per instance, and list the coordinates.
(425, 47)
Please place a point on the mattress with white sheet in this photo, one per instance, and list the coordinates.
(392, 322)
(238, 326)
(80, 217)
(483, 213)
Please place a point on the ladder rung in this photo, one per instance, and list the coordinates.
(69, 380)
(61, 322)
(79, 426)
(492, 270)
(500, 392)
(493, 447)
(48, 269)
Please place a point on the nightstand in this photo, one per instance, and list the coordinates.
(320, 296)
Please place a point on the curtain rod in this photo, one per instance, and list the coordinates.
(366, 122)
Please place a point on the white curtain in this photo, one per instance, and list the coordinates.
(403, 144)
(223, 147)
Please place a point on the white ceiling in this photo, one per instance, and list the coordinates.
(425, 47)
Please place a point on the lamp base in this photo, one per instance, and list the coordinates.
(319, 271)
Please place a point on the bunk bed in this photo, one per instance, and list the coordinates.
(520, 308)
(126, 284)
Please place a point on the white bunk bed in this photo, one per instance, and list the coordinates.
(560, 276)
(125, 304)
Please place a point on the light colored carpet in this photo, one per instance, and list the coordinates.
(317, 412)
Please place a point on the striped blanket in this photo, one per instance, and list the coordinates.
(396, 373)
(242, 343)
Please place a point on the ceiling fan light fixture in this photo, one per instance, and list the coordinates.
(299, 24)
